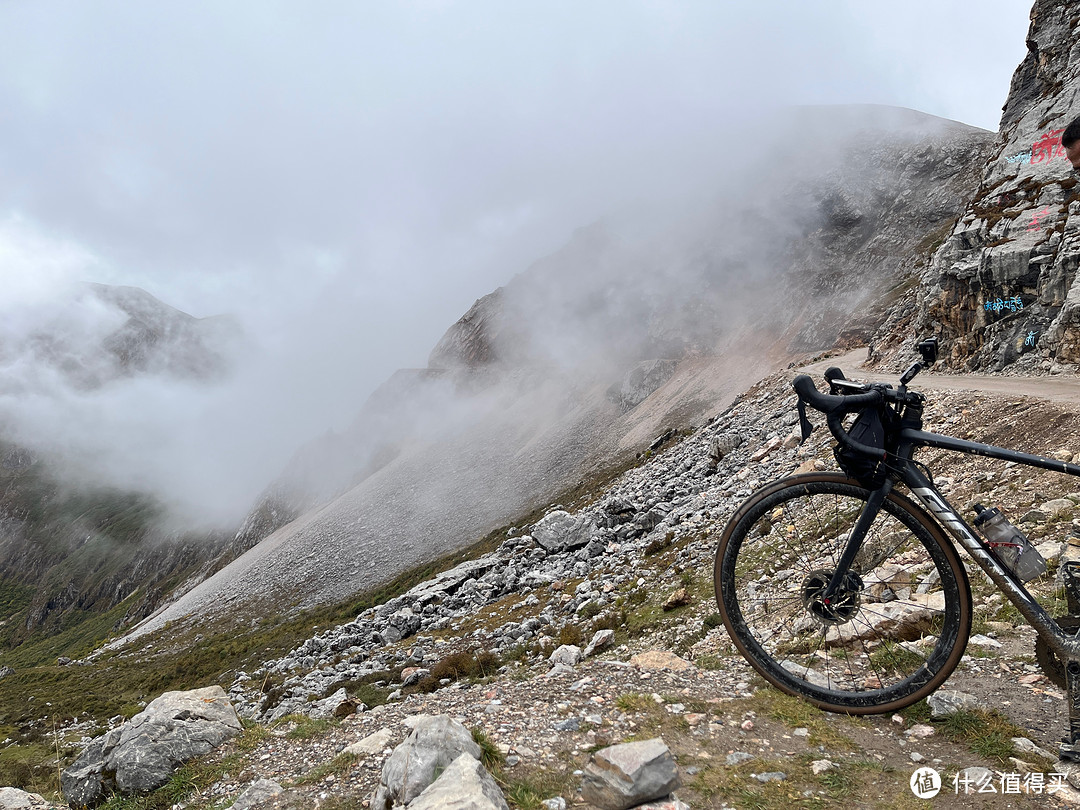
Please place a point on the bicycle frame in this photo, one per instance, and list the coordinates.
(1063, 644)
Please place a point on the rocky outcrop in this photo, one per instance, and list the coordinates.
(142, 754)
(464, 785)
(433, 745)
(1002, 288)
(640, 381)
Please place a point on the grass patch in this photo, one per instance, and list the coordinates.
(987, 733)
(531, 790)
(635, 702)
(303, 727)
(338, 766)
(711, 662)
(917, 712)
(796, 713)
(490, 756)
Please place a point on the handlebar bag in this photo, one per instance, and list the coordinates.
(874, 427)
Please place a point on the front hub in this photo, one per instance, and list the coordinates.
(838, 609)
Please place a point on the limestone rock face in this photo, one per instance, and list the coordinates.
(640, 381)
(142, 754)
(1001, 289)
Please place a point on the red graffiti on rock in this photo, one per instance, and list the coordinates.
(1048, 147)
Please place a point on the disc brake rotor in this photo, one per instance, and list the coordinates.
(843, 605)
(1050, 663)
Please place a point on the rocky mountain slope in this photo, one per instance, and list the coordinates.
(580, 362)
(1000, 290)
(72, 548)
(596, 623)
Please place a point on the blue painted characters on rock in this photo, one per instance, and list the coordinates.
(1013, 304)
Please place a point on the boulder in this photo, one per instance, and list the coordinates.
(15, 799)
(371, 744)
(561, 531)
(630, 774)
(601, 640)
(434, 743)
(142, 754)
(465, 785)
(337, 705)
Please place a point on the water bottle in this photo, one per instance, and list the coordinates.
(1009, 545)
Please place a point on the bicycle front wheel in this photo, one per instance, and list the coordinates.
(890, 637)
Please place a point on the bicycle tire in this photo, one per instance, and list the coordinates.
(857, 655)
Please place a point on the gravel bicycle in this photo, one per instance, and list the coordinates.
(841, 590)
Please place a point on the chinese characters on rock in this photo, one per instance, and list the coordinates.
(1013, 304)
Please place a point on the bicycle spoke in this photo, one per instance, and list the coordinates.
(869, 637)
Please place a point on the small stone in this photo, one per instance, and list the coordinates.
(947, 702)
(261, 793)
(371, 744)
(820, 766)
(771, 776)
(983, 641)
(568, 655)
(1026, 746)
(920, 731)
(657, 660)
(677, 599)
(916, 756)
(16, 799)
(560, 669)
(746, 725)
(1058, 506)
(738, 757)
(1021, 767)
(801, 732)
(558, 803)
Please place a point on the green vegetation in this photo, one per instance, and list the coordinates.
(988, 733)
(303, 727)
(490, 756)
(797, 713)
(338, 766)
(835, 788)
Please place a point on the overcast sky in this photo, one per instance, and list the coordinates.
(347, 177)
